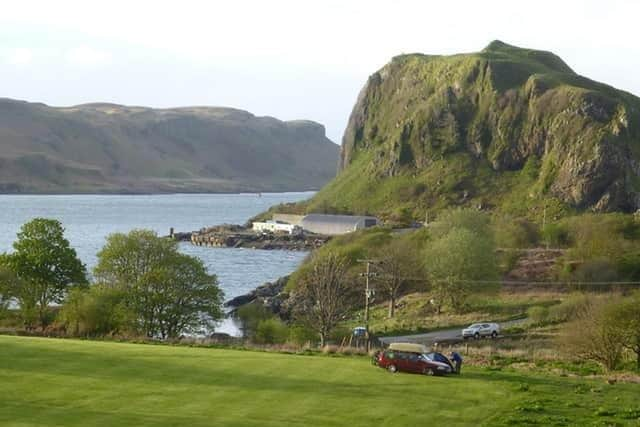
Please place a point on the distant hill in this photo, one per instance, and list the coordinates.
(506, 129)
(107, 148)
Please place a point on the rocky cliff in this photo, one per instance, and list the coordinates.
(505, 128)
(115, 148)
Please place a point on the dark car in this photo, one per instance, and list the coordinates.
(421, 363)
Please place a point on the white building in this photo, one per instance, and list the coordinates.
(276, 227)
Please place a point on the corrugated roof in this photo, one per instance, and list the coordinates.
(336, 219)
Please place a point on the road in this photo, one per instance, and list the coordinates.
(439, 336)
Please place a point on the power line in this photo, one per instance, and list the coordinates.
(525, 282)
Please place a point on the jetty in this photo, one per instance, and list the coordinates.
(237, 236)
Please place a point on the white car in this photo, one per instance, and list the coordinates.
(478, 330)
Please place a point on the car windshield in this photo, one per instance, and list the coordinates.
(475, 325)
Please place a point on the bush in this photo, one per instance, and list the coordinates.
(271, 331)
(515, 233)
(597, 270)
(250, 316)
(567, 309)
(538, 314)
(97, 311)
(556, 235)
(300, 335)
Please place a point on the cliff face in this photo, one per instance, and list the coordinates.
(434, 131)
(115, 148)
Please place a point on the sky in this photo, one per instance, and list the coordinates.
(304, 59)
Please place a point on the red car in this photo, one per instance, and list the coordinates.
(408, 361)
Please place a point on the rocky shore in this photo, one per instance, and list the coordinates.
(270, 294)
(237, 236)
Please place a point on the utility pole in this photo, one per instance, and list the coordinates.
(368, 293)
(544, 222)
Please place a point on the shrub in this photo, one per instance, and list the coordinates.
(568, 309)
(300, 335)
(556, 235)
(97, 311)
(597, 270)
(538, 314)
(515, 233)
(271, 331)
(250, 316)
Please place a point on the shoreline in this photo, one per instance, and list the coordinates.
(195, 193)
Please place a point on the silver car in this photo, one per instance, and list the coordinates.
(479, 330)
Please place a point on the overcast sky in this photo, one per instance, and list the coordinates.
(287, 59)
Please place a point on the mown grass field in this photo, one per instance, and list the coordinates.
(84, 383)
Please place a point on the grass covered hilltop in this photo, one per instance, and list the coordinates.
(84, 383)
(506, 128)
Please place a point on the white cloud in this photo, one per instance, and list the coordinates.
(19, 56)
(87, 56)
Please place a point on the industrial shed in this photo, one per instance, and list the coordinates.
(336, 224)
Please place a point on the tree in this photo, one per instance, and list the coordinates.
(625, 317)
(398, 266)
(46, 268)
(473, 220)
(593, 334)
(170, 293)
(457, 259)
(7, 283)
(323, 297)
(97, 311)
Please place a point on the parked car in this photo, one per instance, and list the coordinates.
(406, 358)
(479, 330)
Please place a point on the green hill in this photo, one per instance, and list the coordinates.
(506, 129)
(114, 148)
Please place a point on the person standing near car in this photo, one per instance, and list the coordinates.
(457, 360)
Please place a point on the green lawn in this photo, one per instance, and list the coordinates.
(84, 383)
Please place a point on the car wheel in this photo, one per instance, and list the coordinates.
(494, 334)
(428, 371)
(392, 368)
(476, 336)
(465, 338)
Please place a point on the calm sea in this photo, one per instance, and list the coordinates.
(88, 219)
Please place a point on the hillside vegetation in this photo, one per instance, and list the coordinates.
(84, 383)
(507, 129)
(108, 148)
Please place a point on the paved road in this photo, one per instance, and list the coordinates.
(438, 336)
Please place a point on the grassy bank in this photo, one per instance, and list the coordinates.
(68, 382)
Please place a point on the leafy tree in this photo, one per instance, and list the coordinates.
(457, 259)
(46, 268)
(323, 297)
(625, 317)
(473, 220)
(7, 283)
(97, 311)
(169, 292)
(399, 266)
